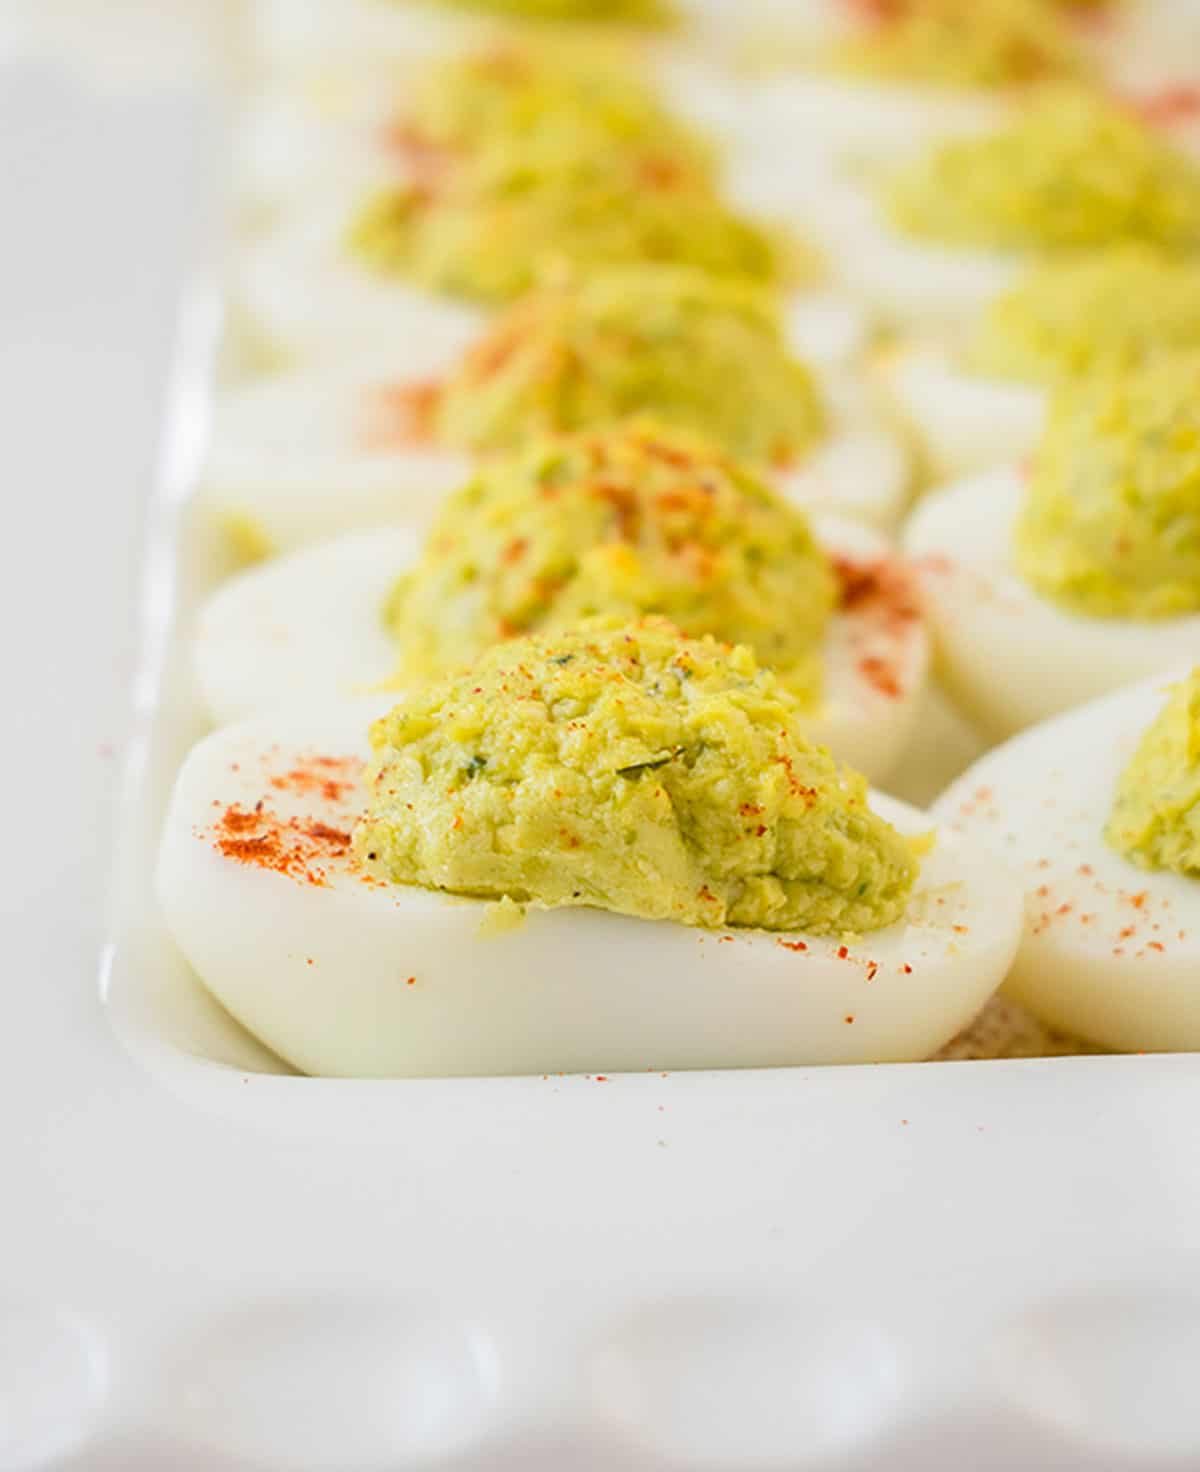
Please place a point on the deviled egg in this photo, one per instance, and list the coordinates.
(302, 456)
(943, 233)
(611, 849)
(1048, 586)
(630, 521)
(983, 401)
(890, 77)
(1100, 811)
(343, 130)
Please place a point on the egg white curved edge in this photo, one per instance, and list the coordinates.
(860, 470)
(321, 972)
(1012, 656)
(294, 456)
(1110, 951)
(911, 284)
(964, 421)
(309, 299)
(310, 626)
(844, 117)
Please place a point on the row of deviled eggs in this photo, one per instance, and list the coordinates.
(574, 420)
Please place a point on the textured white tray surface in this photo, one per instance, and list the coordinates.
(207, 1265)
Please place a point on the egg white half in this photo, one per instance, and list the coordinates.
(963, 421)
(1110, 951)
(310, 626)
(342, 976)
(1009, 654)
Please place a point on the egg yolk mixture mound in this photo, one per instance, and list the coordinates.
(1071, 172)
(1155, 819)
(634, 770)
(703, 352)
(1111, 523)
(963, 43)
(628, 12)
(519, 89)
(635, 521)
(1066, 318)
(522, 211)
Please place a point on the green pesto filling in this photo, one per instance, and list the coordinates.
(525, 211)
(962, 43)
(1116, 309)
(1111, 523)
(633, 521)
(634, 770)
(694, 350)
(1155, 820)
(1072, 172)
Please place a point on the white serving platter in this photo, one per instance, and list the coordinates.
(212, 1264)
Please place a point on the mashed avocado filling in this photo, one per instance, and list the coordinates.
(1111, 523)
(962, 43)
(634, 770)
(522, 211)
(516, 89)
(1072, 172)
(699, 351)
(630, 522)
(620, 12)
(1115, 309)
(1155, 819)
